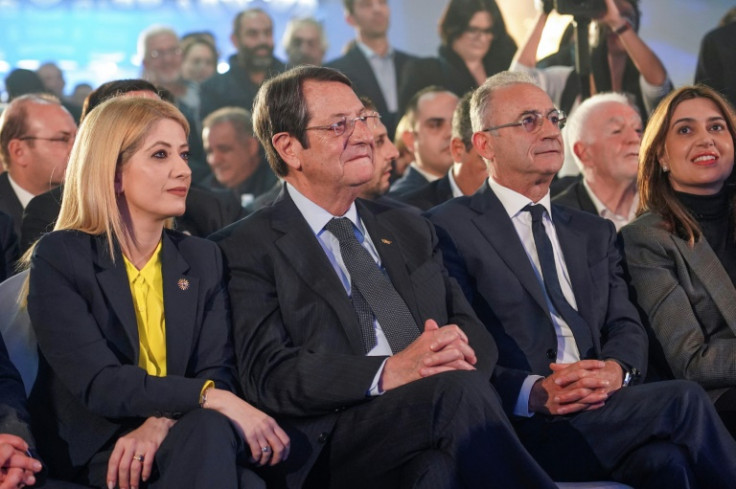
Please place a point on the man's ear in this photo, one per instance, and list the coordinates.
(483, 143)
(17, 151)
(581, 151)
(408, 138)
(350, 19)
(457, 150)
(289, 148)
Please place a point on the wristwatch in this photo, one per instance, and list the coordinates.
(630, 375)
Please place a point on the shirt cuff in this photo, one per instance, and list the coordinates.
(375, 389)
(522, 402)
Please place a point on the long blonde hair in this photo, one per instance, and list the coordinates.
(107, 138)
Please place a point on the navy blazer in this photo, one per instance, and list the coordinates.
(484, 253)
(297, 337)
(576, 197)
(82, 311)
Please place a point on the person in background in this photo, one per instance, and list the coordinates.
(429, 118)
(198, 63)
(161, 55)
(468, 170)
(376, 68)
(384, 154)
(254, 62)
(716, 60)
(36, 136)
(604, 133)
(53, 79)
(475, 45)
(406, 154)
(680, 252)
(621, 61)
(235, 156)
(132, 321)
(305, 42)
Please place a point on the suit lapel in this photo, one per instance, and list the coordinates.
(391, 258)
(180, 305)
(586, 203)
(368, 81)
(115, 287)
(495, 225)
(708, 268)
(300, 248)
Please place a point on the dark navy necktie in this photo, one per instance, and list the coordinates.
(578, 326)
(372, 292)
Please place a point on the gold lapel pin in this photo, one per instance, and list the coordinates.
(386, 241)
(183, 283)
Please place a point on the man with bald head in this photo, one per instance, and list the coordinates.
(604, 133)
(36, 137)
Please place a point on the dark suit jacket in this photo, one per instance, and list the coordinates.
(9, 202)
(357, 67)
(81, 308)
(483, 251)
(717, 61)
(576, 197)
(206, 212)
(232, 88)
(688, 301)
(410, 181)
(297, 337)
(430, 195)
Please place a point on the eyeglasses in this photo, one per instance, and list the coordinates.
(478, 31)
(61, 139)
(532, 121)
(347, 126)
(160, 53)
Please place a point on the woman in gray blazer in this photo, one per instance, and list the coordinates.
(132, 320)
(681, 250)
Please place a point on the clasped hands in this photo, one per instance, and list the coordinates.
(17, 468)
(574, 387)
(438, 349)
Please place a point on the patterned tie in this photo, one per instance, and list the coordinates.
(578, 326)
(373, 294)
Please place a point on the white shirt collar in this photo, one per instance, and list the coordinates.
(369, 53)
(24, 196)
(514, 202)
(316, 216)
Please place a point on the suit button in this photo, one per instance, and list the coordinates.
(552, 354)
(322, 438)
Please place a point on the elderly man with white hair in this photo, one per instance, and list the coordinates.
(604, 133)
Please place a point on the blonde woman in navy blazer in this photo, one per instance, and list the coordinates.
(109, 422)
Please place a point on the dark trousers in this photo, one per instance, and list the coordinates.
(664, 434)
(201, 451)
(726, 409)
(444, 431)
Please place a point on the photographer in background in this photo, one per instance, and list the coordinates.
(621, 61)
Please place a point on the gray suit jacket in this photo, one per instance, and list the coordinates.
(688, 300)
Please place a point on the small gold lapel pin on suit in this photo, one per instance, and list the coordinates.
(183, 283)
(386, 241)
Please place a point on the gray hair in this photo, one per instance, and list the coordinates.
(150, 32)
(575, 127)
(296, 23)
(480, 103)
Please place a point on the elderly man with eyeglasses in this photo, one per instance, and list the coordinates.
(547, 283)
(346, 326)
(36, 137)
